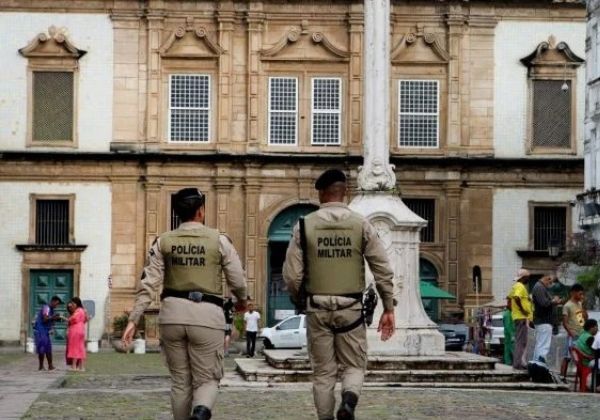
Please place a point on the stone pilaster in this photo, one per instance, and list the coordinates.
(252, 189)
(255, 19)
(226, 19)
(155, 20)
(456, 27)
(452, 241)
(355, 29)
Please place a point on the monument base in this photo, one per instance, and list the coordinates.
(407, 342)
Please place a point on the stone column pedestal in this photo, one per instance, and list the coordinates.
(399, 227)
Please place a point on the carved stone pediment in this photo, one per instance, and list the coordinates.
(304, 45)
(190, 42)
(419, 48)
(551, 55)
(54, 44)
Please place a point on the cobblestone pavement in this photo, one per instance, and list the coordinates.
(142, 393)
(271, 403)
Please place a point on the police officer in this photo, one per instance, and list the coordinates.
(187, 263)
(337, 242)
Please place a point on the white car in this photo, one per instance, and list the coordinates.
(497, 328)
(286, 334)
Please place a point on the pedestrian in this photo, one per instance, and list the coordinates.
(70, 309)
(187, 264)
(543, 317)
(574, 316)
(76, 335)
(228, 307)
(251, 319)
(584, 344)
(509, 333)
(331, 248)
(522, 315)
(43, 324)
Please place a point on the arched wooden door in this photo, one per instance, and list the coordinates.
(280, 232)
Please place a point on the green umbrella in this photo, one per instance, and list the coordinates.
(429, 291)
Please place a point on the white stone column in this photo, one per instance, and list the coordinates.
(398, 226)
(376, 174)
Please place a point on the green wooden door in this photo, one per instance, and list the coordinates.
(44, 285)
(280, 232)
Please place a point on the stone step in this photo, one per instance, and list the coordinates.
(260, 370)
(298, 360)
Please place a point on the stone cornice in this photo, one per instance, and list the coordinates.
(50, 248)
(12, 158)
(54, 44)
(210, 48)
(295, 35)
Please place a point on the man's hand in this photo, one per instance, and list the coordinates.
(240, 306)
(387, 325)
(128, 334)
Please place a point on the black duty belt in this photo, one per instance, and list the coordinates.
(344, 329)
(193, 295)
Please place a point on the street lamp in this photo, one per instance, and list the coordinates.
(554, 248)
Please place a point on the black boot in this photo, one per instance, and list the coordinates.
(346, 410)
(201, 413)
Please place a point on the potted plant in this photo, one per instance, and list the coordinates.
(118, 327)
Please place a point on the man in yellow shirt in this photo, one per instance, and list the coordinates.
(522, 315)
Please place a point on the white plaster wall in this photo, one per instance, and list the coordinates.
(511, 230)
(92, 228)
(90, 32)
(513, 41)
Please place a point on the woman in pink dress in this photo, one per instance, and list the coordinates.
(76, 336)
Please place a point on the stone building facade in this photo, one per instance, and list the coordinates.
(589, 201)
(250, 101)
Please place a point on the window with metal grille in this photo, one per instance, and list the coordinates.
(551, 114)
(549, 227)
(52, 114)
(283, 110)
(418, 113)
(175, 219)
(326, 111)
(189, 108)
(52, 222)
(424, 208)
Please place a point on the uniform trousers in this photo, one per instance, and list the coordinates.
(328, 350)
(194, 356)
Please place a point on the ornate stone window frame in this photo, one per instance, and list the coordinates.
(419, 55)
(33, 198)
(52, 52)
(304, 54)
(552, 61)
(189, 50)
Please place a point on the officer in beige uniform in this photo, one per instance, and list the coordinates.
(337, 243)
(187, 263)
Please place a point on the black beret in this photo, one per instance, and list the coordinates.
(329, 177)
(188, 193)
